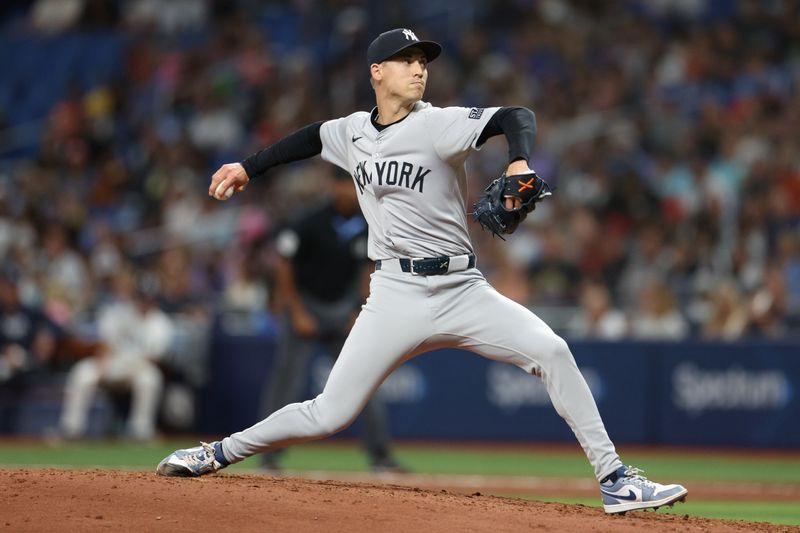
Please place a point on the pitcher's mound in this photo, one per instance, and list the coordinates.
(111, 500)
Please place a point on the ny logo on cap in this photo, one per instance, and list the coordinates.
(410, 35)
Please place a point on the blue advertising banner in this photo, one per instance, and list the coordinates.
(730, 393)
(242, 350)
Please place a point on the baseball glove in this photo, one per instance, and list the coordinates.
(490, 211)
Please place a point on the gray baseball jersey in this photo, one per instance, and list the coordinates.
(411, 183)
(410, 177)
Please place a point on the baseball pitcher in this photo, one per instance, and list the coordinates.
(407, 159)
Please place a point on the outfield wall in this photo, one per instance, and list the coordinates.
(691, 393)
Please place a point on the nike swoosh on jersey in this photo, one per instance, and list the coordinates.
(630, 496)
(354, 139)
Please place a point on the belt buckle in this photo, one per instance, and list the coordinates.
(411, 265)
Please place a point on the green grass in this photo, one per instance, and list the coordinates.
(427, 458)
(81, 455)
(700, 466)
(708, 466)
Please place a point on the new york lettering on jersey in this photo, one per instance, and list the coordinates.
(398, 173)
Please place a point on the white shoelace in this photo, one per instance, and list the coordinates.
(636, 477)
(196, 458)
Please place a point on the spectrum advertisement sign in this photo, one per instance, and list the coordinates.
(723, 394)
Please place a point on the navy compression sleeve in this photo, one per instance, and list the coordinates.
(519, 126)
(301, 144)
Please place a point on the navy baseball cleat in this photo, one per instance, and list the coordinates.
(192, 462)
(628, 490)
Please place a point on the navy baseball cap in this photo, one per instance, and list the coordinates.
(391, 42)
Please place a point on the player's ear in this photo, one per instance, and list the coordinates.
(375, 72)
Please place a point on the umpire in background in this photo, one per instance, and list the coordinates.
(322, 279)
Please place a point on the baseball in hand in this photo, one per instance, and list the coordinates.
(219, 194)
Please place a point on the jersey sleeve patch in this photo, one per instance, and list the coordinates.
(476, 113)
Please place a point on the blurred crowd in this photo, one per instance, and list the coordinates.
(668, 128)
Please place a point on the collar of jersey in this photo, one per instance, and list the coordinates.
(380, 127)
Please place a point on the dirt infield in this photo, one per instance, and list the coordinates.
(106, 500)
